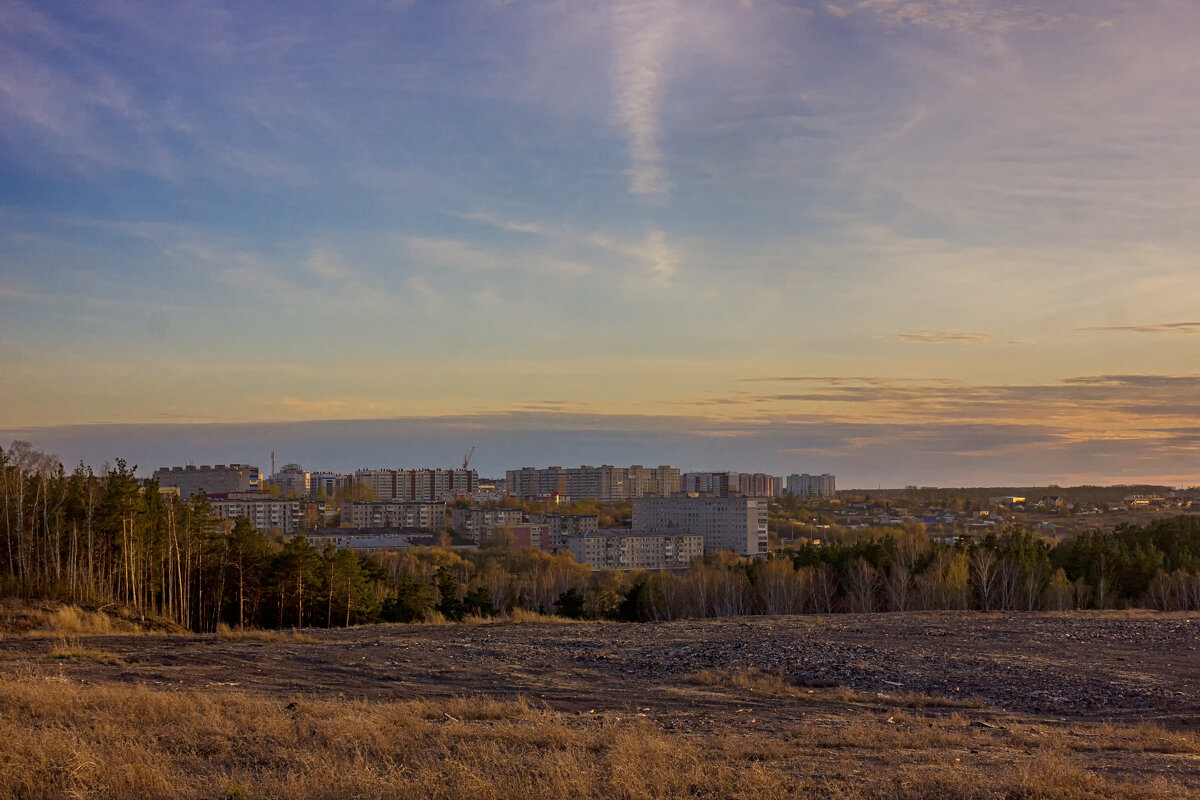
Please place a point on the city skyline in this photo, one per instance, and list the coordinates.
(941, 243)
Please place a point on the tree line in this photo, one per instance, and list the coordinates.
(98, 539)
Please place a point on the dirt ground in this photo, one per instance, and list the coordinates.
(999, 674)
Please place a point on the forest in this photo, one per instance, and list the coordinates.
(97, 540)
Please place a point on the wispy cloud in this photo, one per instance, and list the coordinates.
(494, 221)
(945, 337)
(1166, 327)
(644, 30)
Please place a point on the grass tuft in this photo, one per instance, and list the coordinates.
(230, 634)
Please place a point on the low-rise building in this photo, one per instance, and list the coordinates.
(634, 550)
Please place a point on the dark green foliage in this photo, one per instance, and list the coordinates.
(571, 603)
(478, 602)
(632, 608)
(411, 601)
(448, 603)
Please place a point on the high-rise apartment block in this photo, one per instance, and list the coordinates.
(721, 484)
(418, 484)
(756, 484)
(221, 479)
(726, 523)
(606, 483)
(630, 550)
(805, 485)
(291, 480)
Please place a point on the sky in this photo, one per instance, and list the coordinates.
(950, 242)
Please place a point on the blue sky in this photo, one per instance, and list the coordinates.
(909, 242)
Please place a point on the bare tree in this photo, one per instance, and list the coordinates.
(984, 574)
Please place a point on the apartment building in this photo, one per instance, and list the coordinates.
(291, 480)
(428, 516)
(631, 550)
(219, 479)
(477, 524)
(519, 536)
(563, 525)
(529, 482)
(805, 485)
(726, 523)
(757, 484)
(324, 484)
(721, 484)
(605, 483)
(418, 484)
(265, 513)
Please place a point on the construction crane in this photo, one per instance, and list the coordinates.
(467, 457)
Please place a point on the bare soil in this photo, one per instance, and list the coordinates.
(991, 675)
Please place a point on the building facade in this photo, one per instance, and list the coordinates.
(562, 526)
(605, 483)
(427, 516)
(221, 479)
(418, 484)
(630, 550)
(726, 523)
(529, 482)
(756, 484)
(477, 524)
(291, 480)
(265, 513)
(721, 484)
(805, 485)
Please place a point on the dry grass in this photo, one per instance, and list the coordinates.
(69, 649)
(521, 615)
(115, 741)
(227, 633)
(772, 684)
(48, 619)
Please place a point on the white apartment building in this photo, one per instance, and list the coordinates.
(630, 550)
(726, 523)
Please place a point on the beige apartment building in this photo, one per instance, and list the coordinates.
(633, 550)
(265, 513)
(477, 524)
(560, 526)
(418, 484)
(395, 514)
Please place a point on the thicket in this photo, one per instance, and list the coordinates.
(102, 539)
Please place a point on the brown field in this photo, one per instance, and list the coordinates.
(932, 705)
